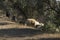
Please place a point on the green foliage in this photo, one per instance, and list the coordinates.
(37, 9)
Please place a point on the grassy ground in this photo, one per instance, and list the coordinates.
(13, 31)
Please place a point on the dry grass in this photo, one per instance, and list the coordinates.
(22, 32)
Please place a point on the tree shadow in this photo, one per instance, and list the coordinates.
(49, 39)
(19, 32)
(45, 39)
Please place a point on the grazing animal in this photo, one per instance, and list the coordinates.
(34, 23)
(7, 14)
(13, 18)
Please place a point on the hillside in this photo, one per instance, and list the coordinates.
(12, 31)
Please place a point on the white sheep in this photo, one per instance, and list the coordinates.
(35, 23)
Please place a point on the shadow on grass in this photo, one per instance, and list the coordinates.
(45, 39)
(19, 32)
(49, 39)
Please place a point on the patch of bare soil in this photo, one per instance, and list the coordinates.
(13, 31)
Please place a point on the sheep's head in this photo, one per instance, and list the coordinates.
(41, 24)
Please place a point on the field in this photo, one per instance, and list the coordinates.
(13, 31)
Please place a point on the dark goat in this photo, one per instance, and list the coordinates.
(7, 14)
(13, 18)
